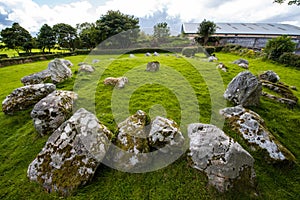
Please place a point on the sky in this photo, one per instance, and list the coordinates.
(32, 14)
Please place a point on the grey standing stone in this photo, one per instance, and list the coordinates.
(59, 71)
(153, 66)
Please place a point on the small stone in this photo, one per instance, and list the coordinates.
(153, 66)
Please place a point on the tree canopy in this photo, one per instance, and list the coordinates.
(17, 38)
(206, 29)
(290, 2)
(65, 35)
(114, 22)
(161, 31)
(88, 34)
(46, 38)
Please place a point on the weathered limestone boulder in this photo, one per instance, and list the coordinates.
(165, 134)
(50, 112)
(39, 77)
(254, 131)
(222, 67)
(212, 59)
(269, 76)
(59, 71)
(117, 82)
(86, 68)
(153, 66)
(71, 155)
(25, 97)
(245, 89)
(67, 62)
(132, 140)
(224, 161)
(240, 61)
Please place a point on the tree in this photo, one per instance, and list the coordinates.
(88, 34)
(114, 22)
(65, 35)
(296, 2)
(46, 38)
(206, 29)
(17, 38)
(161, 31)
(277, 46)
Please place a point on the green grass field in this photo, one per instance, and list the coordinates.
(185, 90)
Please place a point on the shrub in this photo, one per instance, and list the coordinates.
(277, 46)
(210, 50)
(290, 59)
(189, 51)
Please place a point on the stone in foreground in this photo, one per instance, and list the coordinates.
(50, 112)
(153, 66)
(165, 134)
(245, 89)
(71, 155)
(224, 161)
(253, 130)
(24, 97)
(132, 141)
(37, 78)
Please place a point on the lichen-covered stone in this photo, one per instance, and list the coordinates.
(165, 134)
(245, 89)
(240, 61)
(67, 62)
(40, 77)
(50, 112)
(244, 65)
(254, 131)
(132, 140)
(59, 71)
(153, 66)
(86, 68)
(71, 155)
(118, 82)
(269, 76)
(24, 97)
(222, 67)
(224, 161)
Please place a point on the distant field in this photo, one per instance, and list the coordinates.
(184, 88)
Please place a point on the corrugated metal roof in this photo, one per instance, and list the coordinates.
(247, 28)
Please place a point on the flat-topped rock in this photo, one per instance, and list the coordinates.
(37, 78)
(223, 160)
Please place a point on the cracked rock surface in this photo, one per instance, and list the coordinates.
(224, 161)
(71, 155)
(59, 71)
(253, 130)
(25, 97)
(50, 112)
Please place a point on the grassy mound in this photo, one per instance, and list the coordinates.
(185, 90)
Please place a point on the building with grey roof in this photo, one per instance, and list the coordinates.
(251, 35)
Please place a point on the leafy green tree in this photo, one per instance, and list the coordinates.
(277, 46)
(296, 2)
(206, 29)
(88, 34)
(114, 22)
(46, 38)
(65, 35)
(17, 38)
(161, 31)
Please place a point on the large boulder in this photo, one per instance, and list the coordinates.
(165, 134)
(254, 131)
(269, 76)
(50, 112)
(59, 71)
(24, 97)
(71, 155)
(39, 77)
(224, 161)
(245, 89)
(153, 66)
(133, 144)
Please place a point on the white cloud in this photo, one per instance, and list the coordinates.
(32, 16)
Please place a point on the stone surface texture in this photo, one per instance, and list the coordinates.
(59, 71)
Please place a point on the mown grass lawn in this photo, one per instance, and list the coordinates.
(186, 90)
